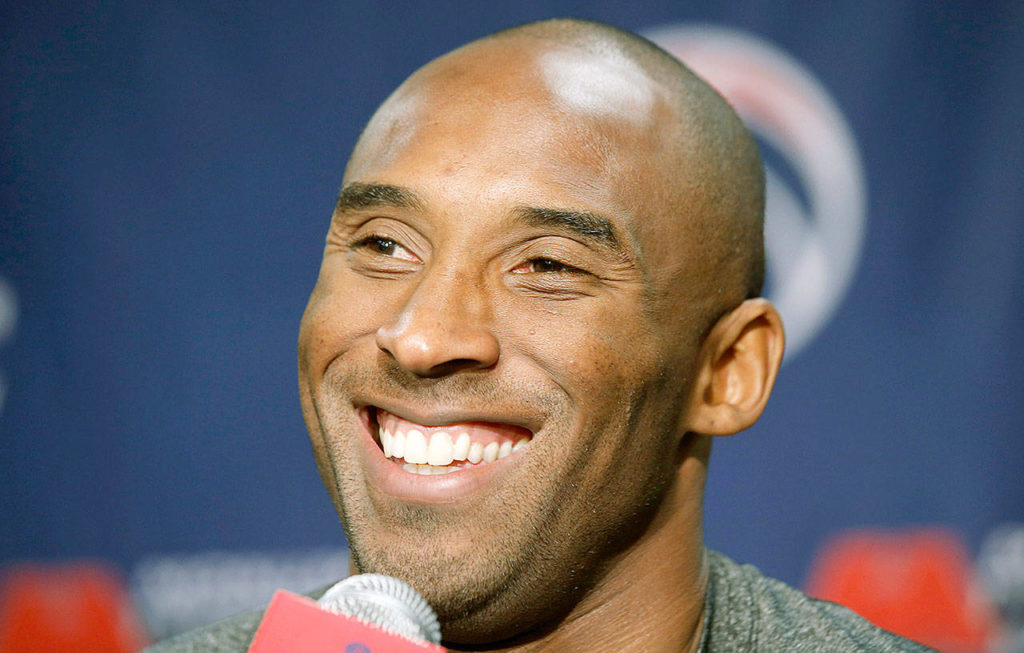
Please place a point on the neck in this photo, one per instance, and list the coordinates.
(652, 597)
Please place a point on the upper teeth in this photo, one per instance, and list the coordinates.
(412, 446)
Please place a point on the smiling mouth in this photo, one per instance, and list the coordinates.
(430, 450)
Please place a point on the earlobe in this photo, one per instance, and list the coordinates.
(739, 362)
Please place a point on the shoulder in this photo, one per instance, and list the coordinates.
(231, 635)
(746, 610)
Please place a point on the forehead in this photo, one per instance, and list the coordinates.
(514, 123)
(609, 85)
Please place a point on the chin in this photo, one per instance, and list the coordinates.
(477, 597)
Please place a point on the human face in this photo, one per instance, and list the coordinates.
(487, 277)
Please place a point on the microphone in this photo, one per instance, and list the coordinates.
(366, 613)
(387, 602)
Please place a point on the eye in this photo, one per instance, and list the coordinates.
(546, 265)
(383, 246)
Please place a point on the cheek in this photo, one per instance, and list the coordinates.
(622, 384)
(340, 312)
(598, 351)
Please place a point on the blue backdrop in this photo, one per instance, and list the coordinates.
(169, 170)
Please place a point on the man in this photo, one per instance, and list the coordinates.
(538, 304)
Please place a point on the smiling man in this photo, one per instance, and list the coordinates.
(538, 304)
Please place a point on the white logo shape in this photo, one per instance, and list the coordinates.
(812, 248)
(8, 321)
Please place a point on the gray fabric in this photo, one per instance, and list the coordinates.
(228, 636)
(231, 635)
(744, 612)
(747, 611)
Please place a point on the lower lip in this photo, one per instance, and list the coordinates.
(388, 476)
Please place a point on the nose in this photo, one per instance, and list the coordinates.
(443, 328)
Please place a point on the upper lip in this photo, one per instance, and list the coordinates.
(448, 415)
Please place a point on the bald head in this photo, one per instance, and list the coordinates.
(709, 185)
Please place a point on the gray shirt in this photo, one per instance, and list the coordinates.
(747, 611)
(744, 611)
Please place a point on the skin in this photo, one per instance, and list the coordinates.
(521, 240)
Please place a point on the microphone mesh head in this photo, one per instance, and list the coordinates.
(386, 602)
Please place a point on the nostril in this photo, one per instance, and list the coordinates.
(439, 349)
(457, 365)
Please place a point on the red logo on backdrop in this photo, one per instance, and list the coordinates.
(60, 608)
(918, 584)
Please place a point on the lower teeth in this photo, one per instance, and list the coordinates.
(428, 470)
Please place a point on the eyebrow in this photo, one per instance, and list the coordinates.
(358, 195)
(590, 226)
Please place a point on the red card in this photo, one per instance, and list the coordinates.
(296, 624)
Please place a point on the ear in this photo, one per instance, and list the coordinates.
(739, 361)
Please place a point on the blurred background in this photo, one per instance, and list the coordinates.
(168, 172)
